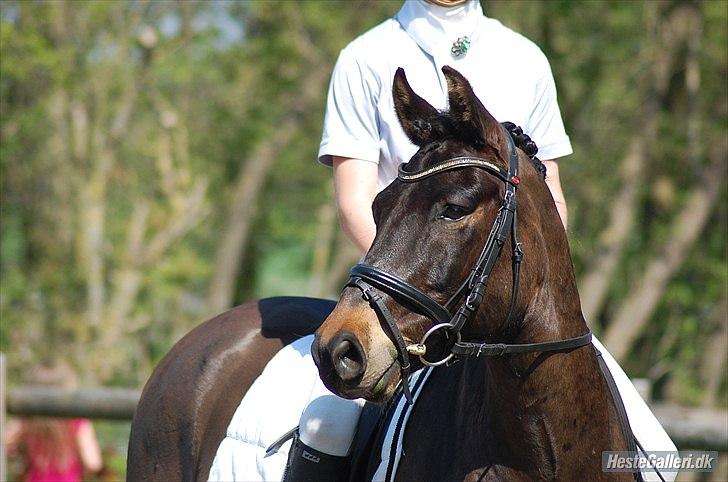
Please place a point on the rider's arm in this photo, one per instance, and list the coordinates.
(554, 184)
(545, 126)
(355, 184)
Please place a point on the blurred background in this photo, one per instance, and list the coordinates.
(158, 166)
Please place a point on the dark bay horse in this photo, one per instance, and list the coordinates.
(538, 414)
(529, 416)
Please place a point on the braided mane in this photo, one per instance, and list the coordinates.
(524, 142)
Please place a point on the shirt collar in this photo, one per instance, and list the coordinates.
(436, 28)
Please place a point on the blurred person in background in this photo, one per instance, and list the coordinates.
(54, 449)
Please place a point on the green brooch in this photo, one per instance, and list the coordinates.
(460, 46)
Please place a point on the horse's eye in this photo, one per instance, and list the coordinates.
(453, 212)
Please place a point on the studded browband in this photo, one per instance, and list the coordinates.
(456, 163)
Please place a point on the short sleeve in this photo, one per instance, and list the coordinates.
(545, 125)
(350, 123)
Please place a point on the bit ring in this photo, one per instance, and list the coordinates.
(434, 329)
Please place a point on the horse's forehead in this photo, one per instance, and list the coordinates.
(401, 200)
(438, 151)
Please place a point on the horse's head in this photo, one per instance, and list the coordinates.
(430, 235)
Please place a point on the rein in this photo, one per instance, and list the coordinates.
(368, 279)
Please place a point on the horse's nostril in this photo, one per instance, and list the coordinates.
(348, 357)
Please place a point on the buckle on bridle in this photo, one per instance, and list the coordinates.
(363, 287)
(417, 349)
(502, 347)
(518, 252)
(471, 298)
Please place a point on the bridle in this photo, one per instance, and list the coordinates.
(369, 279)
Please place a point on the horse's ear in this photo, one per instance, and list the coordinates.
(416, 116)
(468, 112)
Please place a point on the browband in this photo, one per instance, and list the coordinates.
(456, 163)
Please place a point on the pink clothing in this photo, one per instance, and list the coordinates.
(73, 472)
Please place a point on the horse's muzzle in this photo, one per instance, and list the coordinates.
(341, 363)
(352, 352)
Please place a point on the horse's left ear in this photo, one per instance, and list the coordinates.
(468, 112)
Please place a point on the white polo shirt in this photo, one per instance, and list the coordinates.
(509, 74)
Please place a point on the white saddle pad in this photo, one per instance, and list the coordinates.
(272, 407)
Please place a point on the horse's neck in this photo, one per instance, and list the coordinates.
(548, 408)
(548, 413)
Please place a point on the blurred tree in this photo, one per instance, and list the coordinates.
(157, 165)
(640, 92)
(123, 124)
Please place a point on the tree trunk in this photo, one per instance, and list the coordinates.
(713, 364)
(659, 51)
(256, 167)
(636, 311)
(325, 232)
(345, 256)
(595, 283)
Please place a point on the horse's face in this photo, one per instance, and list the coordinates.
(429, 233)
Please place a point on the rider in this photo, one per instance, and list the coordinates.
(364, 143)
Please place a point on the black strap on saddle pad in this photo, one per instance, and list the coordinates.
(632, 441)
(365, 445)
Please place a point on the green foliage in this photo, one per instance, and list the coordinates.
(212, 82)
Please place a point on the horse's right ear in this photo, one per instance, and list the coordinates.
(471, 116)
(416, 116)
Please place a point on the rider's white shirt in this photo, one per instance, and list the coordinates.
(508, 72)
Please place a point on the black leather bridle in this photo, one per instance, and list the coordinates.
(371, 280)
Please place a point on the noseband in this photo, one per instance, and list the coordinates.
(369, 279)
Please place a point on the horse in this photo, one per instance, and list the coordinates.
(527, 399)
(523, 415)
